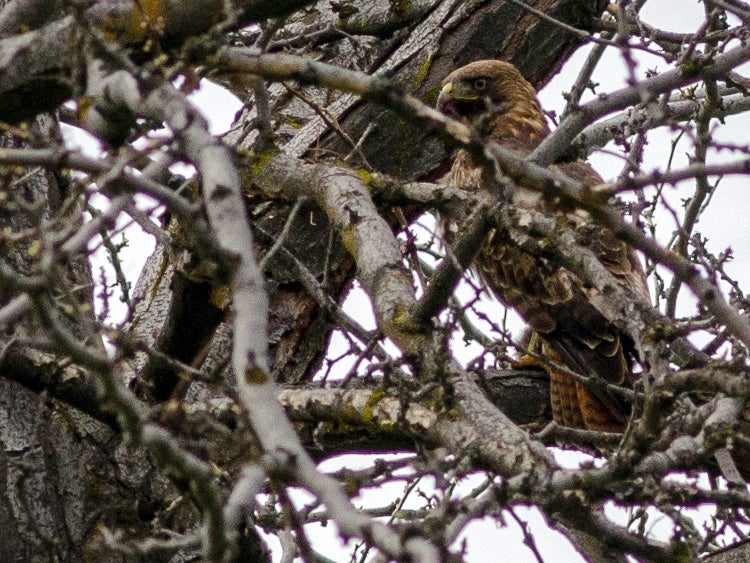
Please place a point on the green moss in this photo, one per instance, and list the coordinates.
(401, 322)
(256, 376)
(372, 181)
(681, 551)
(293, 123)
(374, 399)
(689, 68)
(452, 414)
(407, 334)
(364, 175)
(254, 163)
(402, 319)
(221, 296)
(422, 74)
(656, 332)
(548, 244)
(349, 239)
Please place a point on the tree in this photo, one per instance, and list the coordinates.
(153, 438)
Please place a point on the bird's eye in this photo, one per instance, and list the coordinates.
(480, 83)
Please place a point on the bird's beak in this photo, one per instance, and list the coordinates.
(445, 100)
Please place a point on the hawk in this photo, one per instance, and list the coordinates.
(493, 96)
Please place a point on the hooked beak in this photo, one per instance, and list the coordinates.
(445, 101)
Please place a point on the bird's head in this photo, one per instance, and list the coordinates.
(493, 94)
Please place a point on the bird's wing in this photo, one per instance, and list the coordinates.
(557, 304)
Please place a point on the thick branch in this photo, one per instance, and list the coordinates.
(368, 238)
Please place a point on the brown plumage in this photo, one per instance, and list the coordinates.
(493, 96)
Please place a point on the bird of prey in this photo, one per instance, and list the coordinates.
(494, 97)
